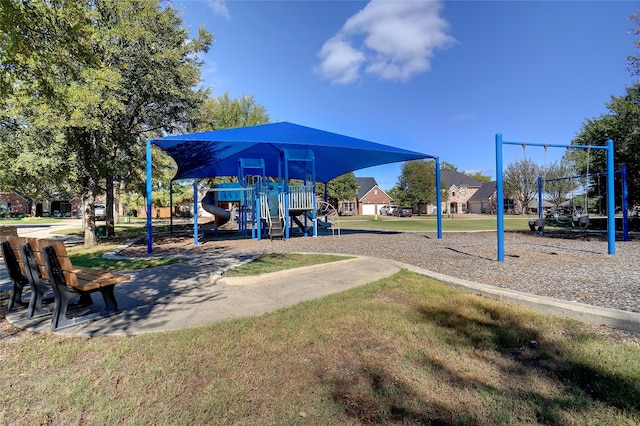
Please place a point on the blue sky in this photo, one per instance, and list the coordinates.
(436, 77)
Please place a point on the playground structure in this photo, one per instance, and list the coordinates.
(278, 165)
(611, 231)
(264, 206)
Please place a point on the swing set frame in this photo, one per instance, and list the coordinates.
(611, 224)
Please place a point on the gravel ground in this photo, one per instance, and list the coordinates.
(574, 267)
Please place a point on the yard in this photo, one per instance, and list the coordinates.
(403, 350)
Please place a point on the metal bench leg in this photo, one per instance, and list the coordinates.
(35, 303)
(62, 299)
(15, 299)
(109, 297)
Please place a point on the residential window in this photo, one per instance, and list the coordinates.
(509, 205)
(463, 190)
(348, 206)
(453, 193)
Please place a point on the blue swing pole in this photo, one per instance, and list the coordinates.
(540, 197)
(611, 205)
(499, 198)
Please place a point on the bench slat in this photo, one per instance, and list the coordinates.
(80, 277)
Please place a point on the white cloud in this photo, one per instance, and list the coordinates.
(340, 61)
(393, 40)
(220, 8)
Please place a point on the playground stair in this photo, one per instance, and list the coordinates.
(276, 230)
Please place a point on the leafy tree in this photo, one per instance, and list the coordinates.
(479, 176)
(448, 166)
(633, 61)
(558, 189)
(521, 182)
(226, 113)
(622, 124)
(343, 187)
(107, 73)
(416, 185)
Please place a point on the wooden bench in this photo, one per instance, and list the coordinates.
(40, 285)
(17, 275)
(49, 266)
(8, 231)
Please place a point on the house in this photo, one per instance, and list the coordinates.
(14, 204)
(484, 201)
(460, 188)
(60, 205)
(369, 200)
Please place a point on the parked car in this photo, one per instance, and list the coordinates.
(391, 209)
(403, 211)
(100, 211)
(558, 212)
(384, 210)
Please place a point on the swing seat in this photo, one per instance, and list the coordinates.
(537, 225)
(583, 221)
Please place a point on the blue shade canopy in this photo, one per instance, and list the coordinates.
(216, 153)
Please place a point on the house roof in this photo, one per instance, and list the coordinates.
(533, 204)
(365, 184)
(485, 192)
(451, 177)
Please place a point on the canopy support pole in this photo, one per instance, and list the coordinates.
(171, 206)
(149, 200)
(195, 212)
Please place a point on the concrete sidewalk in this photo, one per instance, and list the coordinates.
(194, 293)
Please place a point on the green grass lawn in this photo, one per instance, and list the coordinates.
(92, 258)
(403, 350)
(273, 262)
(429, 223)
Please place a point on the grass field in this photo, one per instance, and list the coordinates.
(404, 350)
(428, 223)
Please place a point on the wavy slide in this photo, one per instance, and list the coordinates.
(208, 203)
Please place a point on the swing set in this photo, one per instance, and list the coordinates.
(611, 231)
(583, 219)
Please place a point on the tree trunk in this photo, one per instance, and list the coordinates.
(110, 207)
(88, 210)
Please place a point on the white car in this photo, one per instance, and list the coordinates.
(100, 211)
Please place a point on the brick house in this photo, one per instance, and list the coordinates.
(368, 201)
(12, 203)
(484, 201)
(460, 188)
